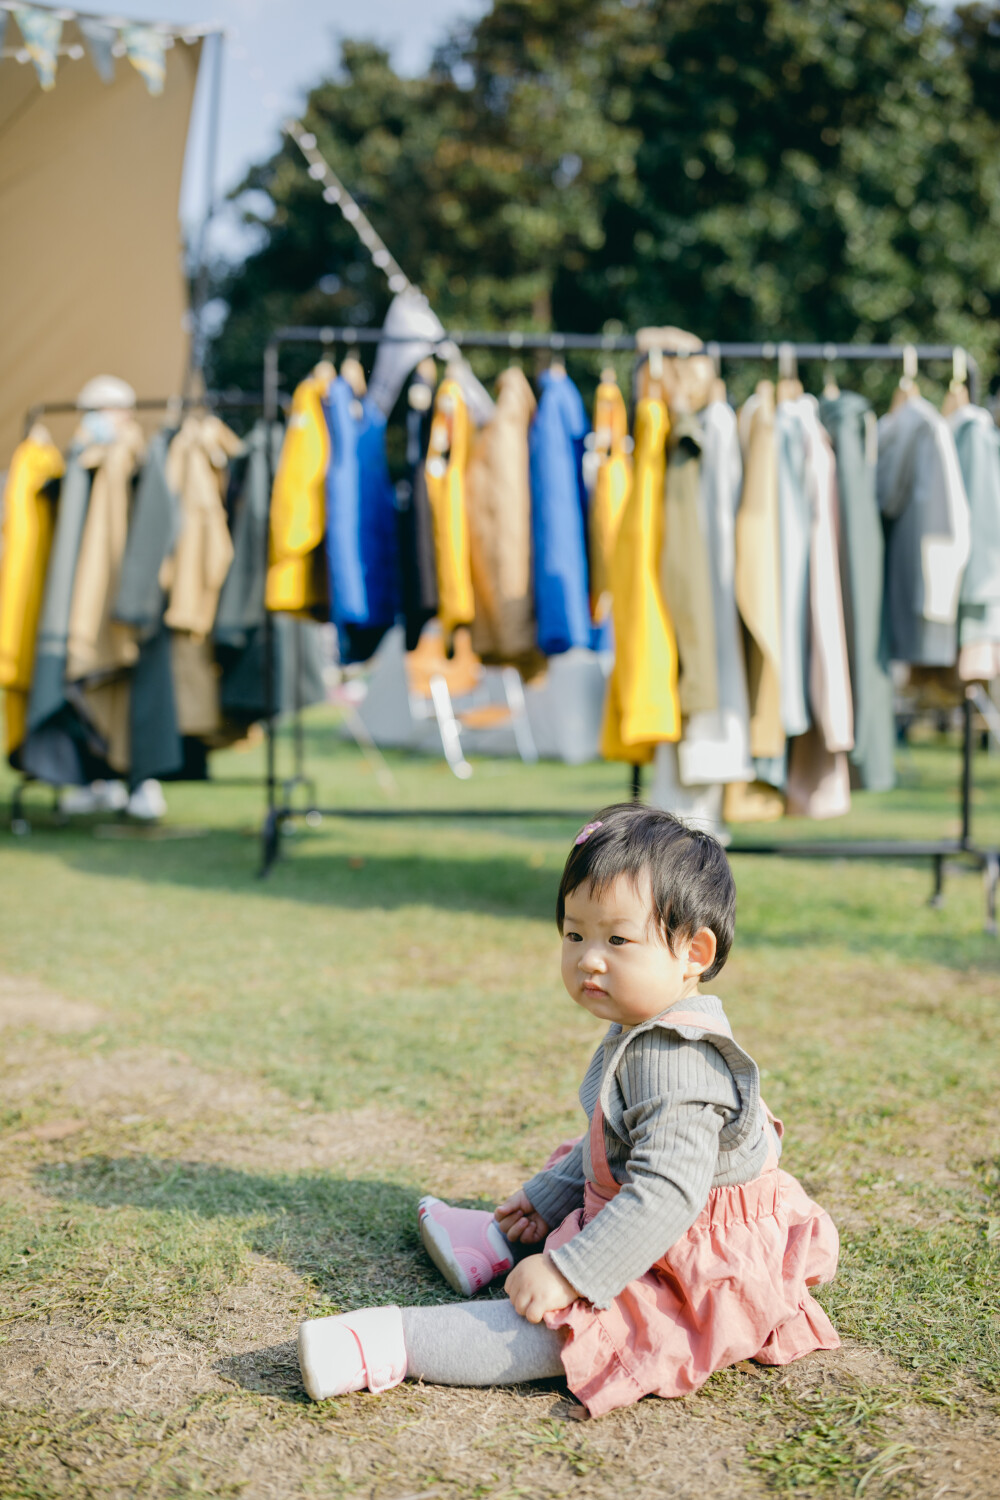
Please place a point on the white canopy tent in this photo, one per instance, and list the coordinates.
(91, 260)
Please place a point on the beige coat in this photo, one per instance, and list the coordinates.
(197, 471)
(498, 506)
(818, 775)
(685, 572)
(758, 571)
(100, 651)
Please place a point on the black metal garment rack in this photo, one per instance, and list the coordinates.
(216, 401)
(281, 810)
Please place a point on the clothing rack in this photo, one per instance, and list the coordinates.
(787, 354)
(234, 400)
(216, 401)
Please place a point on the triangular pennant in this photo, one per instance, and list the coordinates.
(99, 39)
(146, 48)
(41, 31)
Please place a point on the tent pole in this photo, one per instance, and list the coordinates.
(199, 298)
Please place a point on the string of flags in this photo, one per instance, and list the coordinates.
(334, 192)
(102, 39)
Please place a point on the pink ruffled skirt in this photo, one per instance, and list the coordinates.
(736, 1286)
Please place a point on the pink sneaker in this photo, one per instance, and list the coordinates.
(466, 1244)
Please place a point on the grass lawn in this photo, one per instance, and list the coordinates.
(220, 1099)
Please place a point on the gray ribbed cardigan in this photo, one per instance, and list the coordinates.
(682, 1114)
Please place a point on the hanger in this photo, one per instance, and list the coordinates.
(654, 366)
(907, 387)
(831, 390)
(957, 394)
(325, 371)
(352, 371)
(683, 378)
(420, 392)
(789, 385)
(718, 388)
(40, 434)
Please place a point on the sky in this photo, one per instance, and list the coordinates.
(274, 52)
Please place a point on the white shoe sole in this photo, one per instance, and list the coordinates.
(310, 1360)
(439, 1248)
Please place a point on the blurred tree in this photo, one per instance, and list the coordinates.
(818, 169)
(759, 169)
(487, 177)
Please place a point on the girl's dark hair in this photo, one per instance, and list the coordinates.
(688, 870)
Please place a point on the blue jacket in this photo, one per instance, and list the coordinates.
(361, 543)
(559, 517)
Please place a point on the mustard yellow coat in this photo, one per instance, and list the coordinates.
(445, 471)
(297, 573)
(612, 484)
(642, 707)
(28, 524)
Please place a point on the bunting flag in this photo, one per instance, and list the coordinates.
(41, 30)
(99, 39)
(146, 50)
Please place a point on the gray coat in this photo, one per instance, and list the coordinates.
(926, 514)
(850, 422)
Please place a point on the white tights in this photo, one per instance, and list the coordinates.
(477, 1343)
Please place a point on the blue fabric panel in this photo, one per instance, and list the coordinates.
(558, 517)
(343, 506)
(361, 540)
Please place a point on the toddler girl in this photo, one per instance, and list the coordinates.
(672, 1245)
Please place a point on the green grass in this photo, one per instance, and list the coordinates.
(408, 970)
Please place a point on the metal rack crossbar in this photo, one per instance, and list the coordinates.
(939, 852)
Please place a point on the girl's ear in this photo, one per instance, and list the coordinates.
(701, 952)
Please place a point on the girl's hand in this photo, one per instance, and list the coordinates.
(535, 1287)
(519, 1221)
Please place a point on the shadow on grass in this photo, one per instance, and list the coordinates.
(355, 1240)
(784, 904)
(272, 1371)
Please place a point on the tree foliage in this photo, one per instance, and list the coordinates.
(821, 169)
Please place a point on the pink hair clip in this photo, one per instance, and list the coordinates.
(585, 833)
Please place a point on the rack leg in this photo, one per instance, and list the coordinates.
(991, 876)
(19, 825)
(967, 749)
(937, 895)
(270, 837)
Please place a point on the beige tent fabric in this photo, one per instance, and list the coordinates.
(90, 178)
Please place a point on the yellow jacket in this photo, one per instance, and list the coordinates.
(28, 523)
(297, 573)
(642, 707)
(447, 458)
(611, 489)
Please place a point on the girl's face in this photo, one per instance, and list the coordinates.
(616, 962)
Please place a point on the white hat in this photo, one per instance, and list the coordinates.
(106, 393)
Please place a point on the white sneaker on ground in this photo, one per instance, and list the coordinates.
(147, 802)
(353, 1351)
(99, 796)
